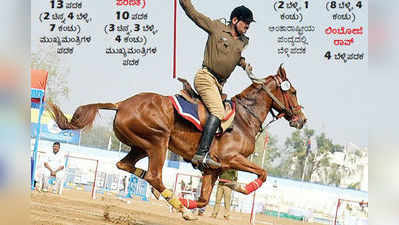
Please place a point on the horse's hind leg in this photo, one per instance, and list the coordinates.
(134, 155)
(157, 155)
(129, 161)
(148, 126)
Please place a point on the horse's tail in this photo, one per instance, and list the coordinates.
(82, 117)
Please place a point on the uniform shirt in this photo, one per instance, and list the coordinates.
(222, 51)
(230, 175)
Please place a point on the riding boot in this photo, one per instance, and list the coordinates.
(201, 157)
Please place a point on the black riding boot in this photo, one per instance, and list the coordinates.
(201, 158)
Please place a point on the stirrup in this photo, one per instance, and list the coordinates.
(205, 163)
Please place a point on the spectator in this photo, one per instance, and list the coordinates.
(54, 169)
(224, 190)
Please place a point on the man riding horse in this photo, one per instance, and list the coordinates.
(150, 125)
(222, 54)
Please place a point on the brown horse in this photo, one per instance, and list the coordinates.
(148, 123)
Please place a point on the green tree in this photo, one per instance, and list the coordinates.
(266, 144)
(296, 148)
(98, 137)
(334, 175)
(272, 154)
(332, 172)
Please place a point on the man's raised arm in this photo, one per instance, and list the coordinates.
(200, 19)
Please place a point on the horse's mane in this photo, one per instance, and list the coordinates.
(244, 93)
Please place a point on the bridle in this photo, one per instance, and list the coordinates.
(288, 108)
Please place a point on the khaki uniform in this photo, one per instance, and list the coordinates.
(222, 55)
(224, 191)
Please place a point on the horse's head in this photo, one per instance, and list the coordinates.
(284, 98)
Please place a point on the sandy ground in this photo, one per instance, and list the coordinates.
(76, 207)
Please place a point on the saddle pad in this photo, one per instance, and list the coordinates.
(187, 110)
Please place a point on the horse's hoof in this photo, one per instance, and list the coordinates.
(187, 215)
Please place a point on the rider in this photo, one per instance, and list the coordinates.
(222, 54)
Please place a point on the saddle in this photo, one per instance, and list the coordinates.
(192, 96)
(189, 105)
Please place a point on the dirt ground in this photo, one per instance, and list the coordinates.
(76, 207)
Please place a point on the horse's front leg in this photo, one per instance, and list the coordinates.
(239, 162)
(208, 181)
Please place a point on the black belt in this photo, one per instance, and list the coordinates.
(218, 78)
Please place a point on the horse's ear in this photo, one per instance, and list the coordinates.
(281, 72)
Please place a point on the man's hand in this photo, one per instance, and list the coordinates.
(248, 68)
(251, 76)
(242, 63)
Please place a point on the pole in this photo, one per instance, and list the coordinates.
(174, 39)
(80, 138)
(174, 191)
(263, 157)
(120, 147)
(252, 219)
(174, 188)
(119, 176)
(109, 143)
(93, 190)
(65, 174)
(336, 212)
(264, 148)
(304, 168)
(306, 160)
(35, 149)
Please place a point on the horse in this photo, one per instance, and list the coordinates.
(149, 124)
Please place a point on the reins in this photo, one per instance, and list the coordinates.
(283, 106)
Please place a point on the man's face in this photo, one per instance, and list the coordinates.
(56, 149)
(241, 26)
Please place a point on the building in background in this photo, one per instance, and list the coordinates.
(350, 167)
(355, 167)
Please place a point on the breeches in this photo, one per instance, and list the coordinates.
(209, 90)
